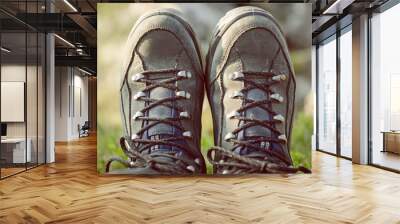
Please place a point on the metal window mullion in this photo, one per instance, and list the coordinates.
(45, 94)
(369, 83)
(37, 91)
(69, 92)
(26, 88)
(0, 92)
(338, 95)
(73, 91)
(317, 96)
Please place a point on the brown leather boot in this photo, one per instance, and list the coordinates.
(162, 96)
(251, 87)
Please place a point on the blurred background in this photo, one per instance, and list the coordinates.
(114, 24)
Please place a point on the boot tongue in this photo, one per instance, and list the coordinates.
(162, 130)
(161, 111)
(257, 113)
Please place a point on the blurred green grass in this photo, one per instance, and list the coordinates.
(300, 144)
(108, 142)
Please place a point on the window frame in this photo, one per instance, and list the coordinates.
(381, 9)
(333, 37)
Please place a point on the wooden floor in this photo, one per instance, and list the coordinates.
(70, 191)
(387, 159)
(10, 171)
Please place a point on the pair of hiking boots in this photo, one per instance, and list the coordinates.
(249, 82)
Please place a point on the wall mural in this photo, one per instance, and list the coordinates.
(204, 89)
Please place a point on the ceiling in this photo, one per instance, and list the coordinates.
(75, 22)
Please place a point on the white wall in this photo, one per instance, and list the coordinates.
(71, 94)
(13, 101)
(62, 81)
(33, 126)
(16, 73)
(79, 115)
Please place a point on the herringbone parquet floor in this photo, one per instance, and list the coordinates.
(70, 191)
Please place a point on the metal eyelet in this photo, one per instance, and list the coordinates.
(185, 74)
(184, 114)
(137, 115)
(233, 114)
(137, 77)
(280, 77)
(183, 94)
(236, 76)
(282, 137)
(236, 94)
(187, 134)
(139, 95)
(279, 117)
(229, 136)
(276, 97)
(190, 168)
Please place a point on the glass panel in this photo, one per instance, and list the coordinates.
(23, 90)
(385, 84)
(41, 98)
(31, 97)
(314, 86)
(346, 94)
(327, 96)
(13, 90)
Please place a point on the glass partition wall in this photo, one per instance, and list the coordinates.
(13, 145)
(22, 88)
(334, 87)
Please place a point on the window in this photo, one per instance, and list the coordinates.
(327, 95)
(346, 92)
(385, 89)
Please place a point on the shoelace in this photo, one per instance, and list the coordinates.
(263, 159)
(136, 145)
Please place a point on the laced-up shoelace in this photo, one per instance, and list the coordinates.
(262, 159)
(135, 147)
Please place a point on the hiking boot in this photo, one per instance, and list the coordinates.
(250, 85)
(161, 98)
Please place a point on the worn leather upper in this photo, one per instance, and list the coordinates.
(249, 39)
(162, 40)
